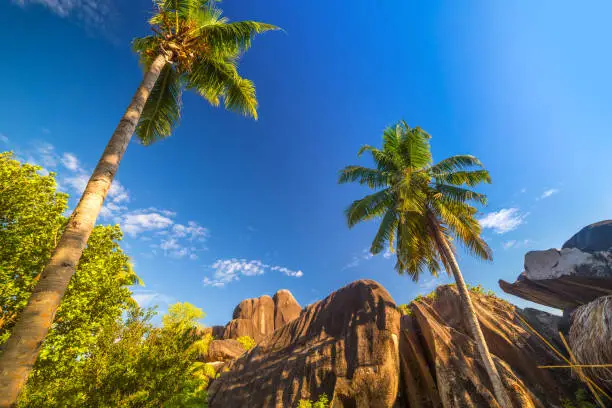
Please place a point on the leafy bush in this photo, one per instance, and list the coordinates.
(247, 342)
(581, 400)
(404, 309)
(480, 290)
(322, 402)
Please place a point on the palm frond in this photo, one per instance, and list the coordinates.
(371, 206)
(414, 150)
(232, 37)
(459, 194)
(240, 97)
(216, 78)
(385, 233)
(459, 217)
(456, 163)
(363, 175)
(163, 108)
(467, 177)
(147, 49)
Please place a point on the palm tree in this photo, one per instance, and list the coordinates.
(191, 47)
(424, 207)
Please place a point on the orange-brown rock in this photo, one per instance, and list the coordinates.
(224, 350)
(441, 365)
(286, 308)
(259, 317)
(345, 346)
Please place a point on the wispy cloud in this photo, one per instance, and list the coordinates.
(548, 193)
(4, 138)
(149, 298)
(139, 221)
(230, 270)
(159, 227)
(516, 243)
(89, 11)
(365, 255)
(504, 220)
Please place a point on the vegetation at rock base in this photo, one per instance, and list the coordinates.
(247, 342)
(321, 402)
(581, 400)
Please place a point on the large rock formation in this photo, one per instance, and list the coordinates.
(259, 317)
(590, 338)
(345, 346)
(224, 350)
(575, 275)
(441, 365)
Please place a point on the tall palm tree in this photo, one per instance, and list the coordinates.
(191, 47)
(424, 208)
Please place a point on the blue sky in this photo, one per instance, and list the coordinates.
(523, 86)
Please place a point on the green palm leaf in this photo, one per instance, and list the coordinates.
(163, 108)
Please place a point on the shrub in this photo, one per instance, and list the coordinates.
(581, 400)
(247, 342)
(322, 402)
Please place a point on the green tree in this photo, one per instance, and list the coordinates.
(30, 223)
(192, 47)
(424, 208)
(31, 219)
(134, 364)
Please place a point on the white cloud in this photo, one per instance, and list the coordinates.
(149, 298)
(229, 270)
(365, 255)
(516, 244)
(548, 193)
(3, 138)
(174, 239)
(118, 193)
(71, 162)
(89, 11)
(504, 220)
(76, 183)
(139, 221)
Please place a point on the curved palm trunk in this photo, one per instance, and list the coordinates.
(470, 316)
(23, 346)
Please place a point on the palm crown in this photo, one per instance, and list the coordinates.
(203, 49)
(419, 202)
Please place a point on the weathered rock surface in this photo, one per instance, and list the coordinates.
(575, 275)
(286, 308)
(259, 317)
(345, 346)
(592, 238)
(441, 365)
(224, 350)
(590, 338)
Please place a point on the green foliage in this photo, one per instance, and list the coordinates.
(30, 223)
(404, 309)
(134, 364)
(247, 342)
(102, 350)
(321, 402)
(480, 290)
(420, 205)
(581, 400)
(204, 49)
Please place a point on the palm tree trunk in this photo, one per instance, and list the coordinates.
(474, 326)
(23, 346)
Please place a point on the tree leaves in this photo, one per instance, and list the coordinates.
(420, 201)
(205, 50)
